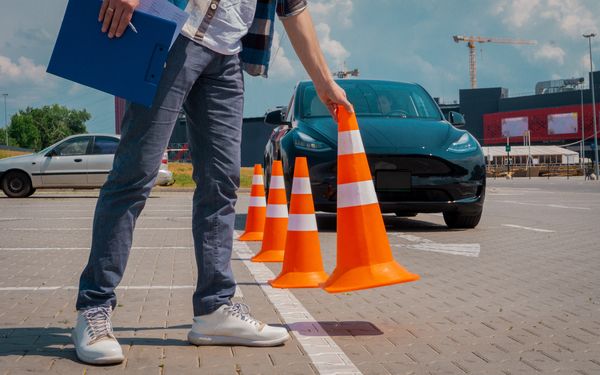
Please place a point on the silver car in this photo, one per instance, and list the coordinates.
(79, 161)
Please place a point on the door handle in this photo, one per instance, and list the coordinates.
(78, 160)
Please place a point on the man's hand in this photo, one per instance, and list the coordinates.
(115, 16)
(332, 95)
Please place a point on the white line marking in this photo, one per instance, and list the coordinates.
(80, 229)
(548, 205)
(87, 248)
(324, 353)
(142, 217)
(423, 244)
(464, 249)
(238, 291)
(528, 228)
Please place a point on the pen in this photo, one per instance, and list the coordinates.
(132, 28)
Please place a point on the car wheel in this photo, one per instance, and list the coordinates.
(458, 220)
(17, 184)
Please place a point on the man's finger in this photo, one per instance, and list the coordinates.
(115, 22)
(103, 9)
(123, 23)
(108, 17)
(348, 106)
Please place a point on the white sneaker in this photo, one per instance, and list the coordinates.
(233, 325)
(93, 337)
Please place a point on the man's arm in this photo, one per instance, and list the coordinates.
(301, 30)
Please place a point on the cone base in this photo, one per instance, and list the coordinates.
(251, 236)
(299, 280)
(267, 256)
(365, 277)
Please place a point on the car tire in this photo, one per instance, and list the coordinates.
(458, 220)
(17, 184)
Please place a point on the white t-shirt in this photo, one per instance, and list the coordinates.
(231, 22)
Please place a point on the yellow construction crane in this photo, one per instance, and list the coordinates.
(471, 40)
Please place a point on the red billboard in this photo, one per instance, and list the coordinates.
(545, 124)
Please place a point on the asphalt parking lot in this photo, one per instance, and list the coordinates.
(520, 294)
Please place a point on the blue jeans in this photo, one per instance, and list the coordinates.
(210, 88)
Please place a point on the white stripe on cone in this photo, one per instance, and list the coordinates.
(302, 223)
(277, 182)
(257, 179)
(350, 142)
(257, 202)
(301, 185)
(276, 211)
(356, 194)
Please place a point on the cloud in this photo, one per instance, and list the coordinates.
(517, 12)
(550, 52)
(23, 70)
(335, 11)
(572, 16)
(37, 34)
(331, 47)
(281, 66)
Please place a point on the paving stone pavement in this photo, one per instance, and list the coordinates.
(529, 303)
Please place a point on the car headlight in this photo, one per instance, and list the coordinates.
(306, 142)
(466, 143)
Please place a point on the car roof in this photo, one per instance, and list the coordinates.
(118, 136)
(308, 82)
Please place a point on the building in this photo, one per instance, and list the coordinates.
(540, 155)
(553, 116)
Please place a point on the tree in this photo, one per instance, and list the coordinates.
(38, 128)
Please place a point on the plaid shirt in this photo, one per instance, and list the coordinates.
(256, 52)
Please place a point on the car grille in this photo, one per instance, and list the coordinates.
(417, 165)
(421, 195)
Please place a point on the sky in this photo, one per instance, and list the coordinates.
(402, 40)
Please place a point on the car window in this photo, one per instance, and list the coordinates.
(72, 147)
(289, 110)
(105, 146)
(384, 99)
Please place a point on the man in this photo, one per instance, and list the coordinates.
(204, 75)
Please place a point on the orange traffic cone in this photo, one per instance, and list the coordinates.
(302, 263)
(257, 209)
(364, 257)
(277, 219)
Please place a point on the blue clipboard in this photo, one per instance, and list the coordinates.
(129, 67)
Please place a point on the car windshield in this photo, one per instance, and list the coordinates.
(381, 99)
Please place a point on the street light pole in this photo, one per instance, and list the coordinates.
(589, 38)
(5, 119)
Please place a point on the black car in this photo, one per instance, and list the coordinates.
(420, 162)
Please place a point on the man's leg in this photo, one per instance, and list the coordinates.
(146, 132)
(215, 109)
(214, 112)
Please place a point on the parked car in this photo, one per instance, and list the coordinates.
(79, 161)
(420, 162)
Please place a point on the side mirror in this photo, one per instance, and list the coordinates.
(456, 119)
(51, 153)
(275, 117)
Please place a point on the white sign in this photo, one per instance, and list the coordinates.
(515, 126)
(562, 123)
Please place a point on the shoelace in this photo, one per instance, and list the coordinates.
(99, 326)
(242, 311)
